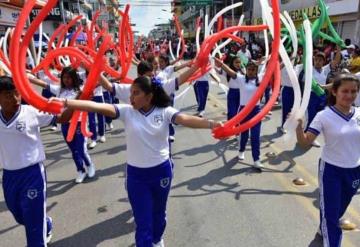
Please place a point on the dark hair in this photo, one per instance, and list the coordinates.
(144, 67)
(150, 59)
(321, 54)
(165, 58)
(231, 66)
(152, 85)
(252, 64)
(6, 83)
(73, 75)
(331, 100)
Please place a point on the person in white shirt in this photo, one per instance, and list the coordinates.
(70, 88)
(339, 164)
(97, 127)
(22, 158)
(320, 74)
(248, 84)
(149, 167)
(244, 54)
(233, 96)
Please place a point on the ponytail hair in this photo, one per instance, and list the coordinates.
(231, 66)
(331, 100)
(152, 85)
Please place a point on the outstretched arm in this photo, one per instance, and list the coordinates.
(89, 106)
(183, 77)
(226, 68)
(36, 81)
(196, 122)
(106, 83)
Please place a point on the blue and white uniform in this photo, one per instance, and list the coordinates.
(247, 88)
(149, 168)
(24, 179)
(166, 73)
(201, 88)
(77, 146)
(98, 128)
(287, 92)
(317, 103)
(233, 96)
(339, 167)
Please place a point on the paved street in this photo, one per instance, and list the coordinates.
(216, 201)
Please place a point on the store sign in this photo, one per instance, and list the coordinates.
(54, 14)
(197, 2)
(8, 16)
(311, 12)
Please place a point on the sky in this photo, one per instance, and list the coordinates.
(146, 13)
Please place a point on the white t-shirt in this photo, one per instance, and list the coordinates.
(232, 82)
(62, 92)
(146, 134)
(166, 73)
(42, 76)
(204, 77)
(20, 144)
(285, 78)
(341, 134)
(98, 91)
(321, 76)
(247, 89)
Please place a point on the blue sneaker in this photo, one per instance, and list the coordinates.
(49, 227)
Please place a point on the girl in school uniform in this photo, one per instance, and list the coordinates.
(22, 158)
(247, 85)
(69, 88)
(149, 167)
(233, 96)
(97, 127)
(339, 164)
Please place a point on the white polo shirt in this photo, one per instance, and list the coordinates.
(320, 76)
(122, 91)
(20, 144)
(62, 92)
(341, 134)
(166, 73)
(146, 134)
(247, 89)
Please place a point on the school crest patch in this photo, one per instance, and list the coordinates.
(164, 182)
(20, 126)
(356, 184)
(32, 194)
(158, 119)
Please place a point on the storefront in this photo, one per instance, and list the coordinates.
(8, 17)
(343, 14)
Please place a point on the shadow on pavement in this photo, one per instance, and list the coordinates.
(98, 233)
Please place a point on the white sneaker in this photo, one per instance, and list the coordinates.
(91, 171)
(283, 131)
(269, 113)
(49, 227)
(160, 244)
(171, 138)
(111, 126)
(80, 177)
(258, 164)
(201, 114)
(92, 144)
(102, 139)
(241, 155)
(53, 128)
(316, 144)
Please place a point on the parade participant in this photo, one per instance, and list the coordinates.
(201, 89)
(69, 88)
(167, 68)
(248, 85)
(320, 74)
(339, 164)
(233, 96)
(149, 167)
(99, 126)
(22, 157)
